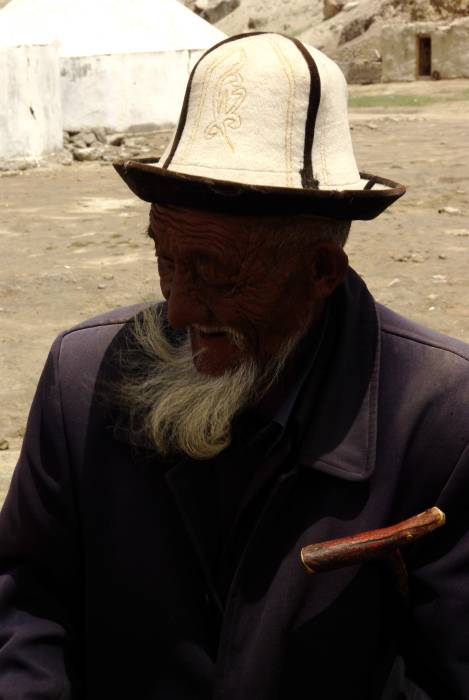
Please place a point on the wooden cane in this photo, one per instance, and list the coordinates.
(374, 544)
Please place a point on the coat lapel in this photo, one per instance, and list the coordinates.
(340, 438)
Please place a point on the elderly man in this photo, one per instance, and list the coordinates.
(180, 457)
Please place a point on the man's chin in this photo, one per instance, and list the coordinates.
(212, 367)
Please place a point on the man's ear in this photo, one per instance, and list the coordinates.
(330, 264)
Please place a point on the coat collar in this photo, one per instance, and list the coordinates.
(340, 435)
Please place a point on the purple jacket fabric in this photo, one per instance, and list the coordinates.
(104, 588)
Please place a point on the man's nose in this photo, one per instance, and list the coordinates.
(184, 305)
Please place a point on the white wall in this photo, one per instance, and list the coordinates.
(102, 27)
(120, 91)
(30, 105)
(399, 52)
(450, 49)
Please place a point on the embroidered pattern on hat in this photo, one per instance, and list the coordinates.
(228, 97)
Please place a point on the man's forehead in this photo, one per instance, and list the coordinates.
(173, 218)
(169, 214)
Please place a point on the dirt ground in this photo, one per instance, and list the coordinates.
(73, 240)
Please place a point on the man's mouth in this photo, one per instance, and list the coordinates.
(218, 332)
(215, 348)
(211, 331)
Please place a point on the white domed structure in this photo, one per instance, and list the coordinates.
(123, 63)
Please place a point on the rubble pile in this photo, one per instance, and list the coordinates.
(96, 144)
(101, 144)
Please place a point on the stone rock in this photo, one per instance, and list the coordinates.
(78, 141)
(126, 153)
(135, 152)
(355, 28)
(91, 153)
(88, 137)
(331, 8)
(350, 6)
(214, 10)
(257, 22)
(135, 141)
(410, 257)
(449, 210)
(100, 133)
(115, 139)
(4, 444)
(65, 157)
(110, 157)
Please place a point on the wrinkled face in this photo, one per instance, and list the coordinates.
(226, 282)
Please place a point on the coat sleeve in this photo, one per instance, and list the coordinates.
(40, 557)
(438, 639)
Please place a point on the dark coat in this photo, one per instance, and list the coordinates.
(104, 588)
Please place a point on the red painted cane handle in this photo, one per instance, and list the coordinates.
(374, 544)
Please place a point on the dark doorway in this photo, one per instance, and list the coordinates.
(424, 56)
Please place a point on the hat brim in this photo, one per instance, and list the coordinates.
(154, 184)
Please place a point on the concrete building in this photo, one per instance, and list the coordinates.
(123, 63)
(30, 102)
(425, 49)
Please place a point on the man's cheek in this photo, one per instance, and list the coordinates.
(257, 306)
(165, 285)
(244, 318)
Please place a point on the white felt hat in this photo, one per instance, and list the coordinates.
(263, 128)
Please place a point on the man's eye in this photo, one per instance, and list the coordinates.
(204, 269)
(212, 273)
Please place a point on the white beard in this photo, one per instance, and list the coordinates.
(180, 410)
